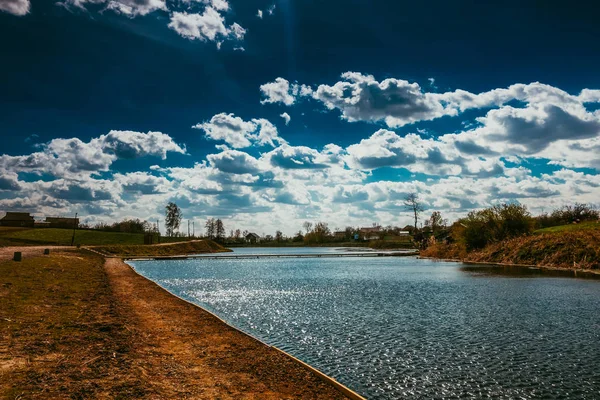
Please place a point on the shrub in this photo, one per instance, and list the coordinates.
(492, 224)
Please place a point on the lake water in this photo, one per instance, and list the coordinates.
(393, 328)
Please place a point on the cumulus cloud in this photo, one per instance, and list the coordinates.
(398, 102)
(208, 26)
(281, 91)
(130, 144)
(387, 149)
(296, 157)
(9, 181)
(234, 162)
(239, 133)
(15, 7)
(142, 183)
(130, 8)
(61, 157)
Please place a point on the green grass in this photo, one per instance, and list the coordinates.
(584, 226)
(52, 236)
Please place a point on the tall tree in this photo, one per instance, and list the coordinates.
(219, 230)
(210, 228)
(413, 203)
(278, 236)
(436, 222)
(173, 217)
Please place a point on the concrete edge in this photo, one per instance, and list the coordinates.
(324, 377)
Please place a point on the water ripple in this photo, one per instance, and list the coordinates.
(403, 328)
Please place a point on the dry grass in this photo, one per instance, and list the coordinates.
(61, 335)
(164, 250)
(570, 249)
(75, 327)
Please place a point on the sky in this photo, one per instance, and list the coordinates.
(269, 113)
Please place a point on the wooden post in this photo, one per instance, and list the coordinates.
(46, 252)
(18, 256)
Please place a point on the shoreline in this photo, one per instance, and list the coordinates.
(93, 327)
(590, 273)
(321, 375)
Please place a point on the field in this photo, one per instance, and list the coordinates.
(62, 237)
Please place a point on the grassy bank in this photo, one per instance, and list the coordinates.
(62, 237)
(569, 247)
(75, 327)
(174, 249)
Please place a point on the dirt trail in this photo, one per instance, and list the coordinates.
(185, 352)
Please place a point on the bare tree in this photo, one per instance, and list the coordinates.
(413, 203)
(307, 226)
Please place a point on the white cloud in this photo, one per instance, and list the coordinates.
(297, 157)
(286, 117)
(239, 133)
(15, 7)
(277, 92)
(220, 5)
(281, 91)
(259, 14)
(130, 8)
(234, 162)
(130, 144)
(69, 157)
(208, 26)
(398, 102)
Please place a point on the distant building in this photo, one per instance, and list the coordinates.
(65, 223)
(404, 233)
(339, 234)
(252, 238)
(371, 233)
(17, 219)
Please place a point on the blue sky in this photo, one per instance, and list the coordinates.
(268, 113)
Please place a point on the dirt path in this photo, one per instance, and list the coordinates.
(185, 352)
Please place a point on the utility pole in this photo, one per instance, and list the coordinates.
(74, 228)
(188, 228)
(158, 229)
(194, 229)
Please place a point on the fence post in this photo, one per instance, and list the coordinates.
(18, 256)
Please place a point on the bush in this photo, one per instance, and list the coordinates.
(567, 215)
(493, 224)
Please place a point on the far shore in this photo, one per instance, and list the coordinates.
(561, 271)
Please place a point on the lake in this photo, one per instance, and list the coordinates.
(401, 327)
